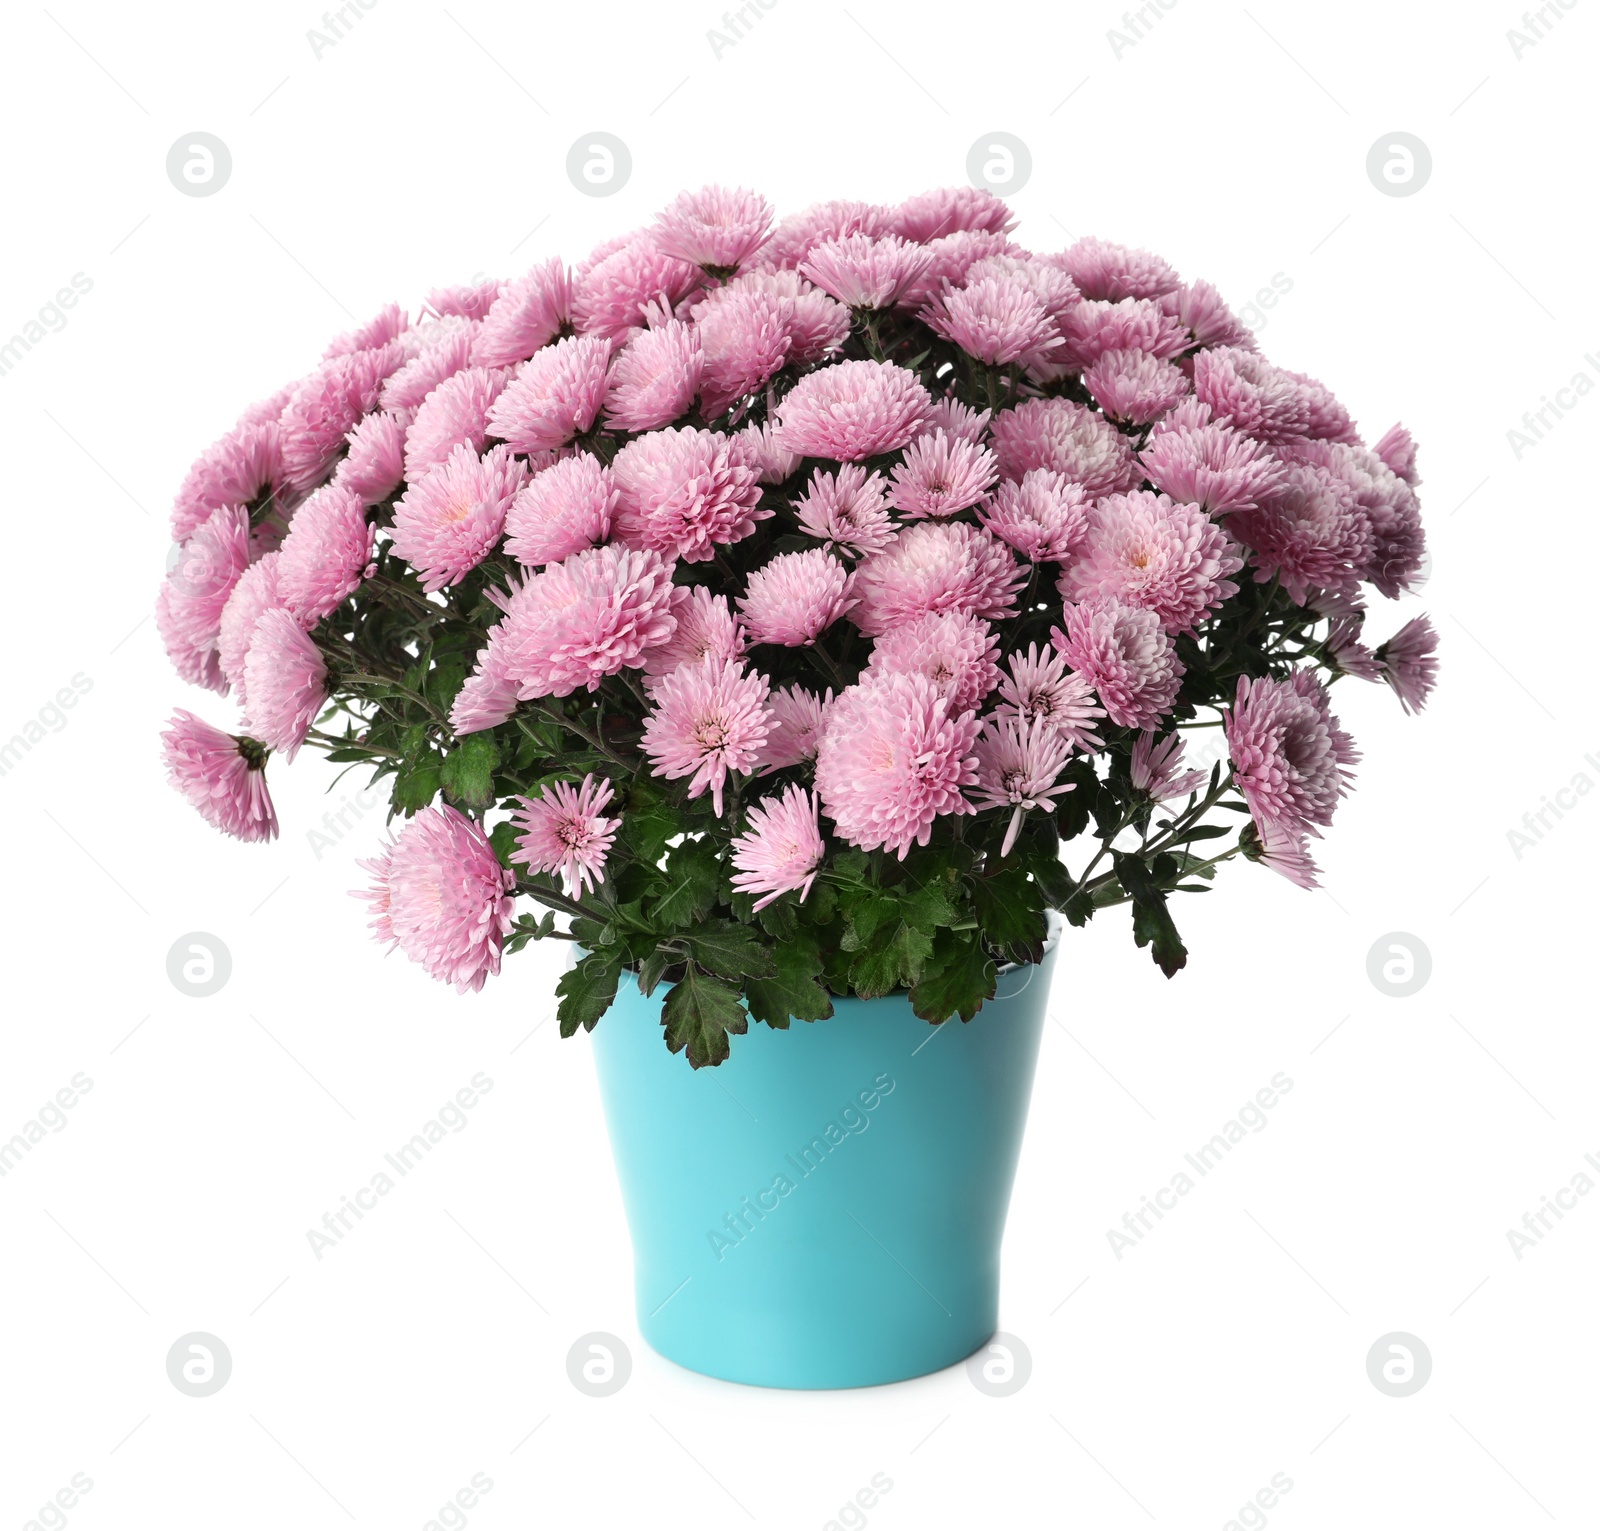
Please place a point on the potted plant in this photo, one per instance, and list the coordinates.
(807, 624)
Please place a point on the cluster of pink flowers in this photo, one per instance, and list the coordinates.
(687, 483)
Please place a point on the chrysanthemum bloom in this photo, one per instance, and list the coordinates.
(1287, 851)
(817, 325)
(590, 616)
(1326, 418)
(1048, 283)
(555, 397)
(565, 509)
(433, 332)
(996, 319)
(654, 378)
(798, 717)
(951, 210)
(326, 555)
(783, 848)
(243, 467)
(1134, 324)
(744, 339)
(1146, 550)
(1387, 500)
(684, 492)
(709, 719)
(715, 226)
(756, 448)
(893, 758)
(375, 464)
(1124, 654)
(387, 324)
(1307, 532)
(255, 592)
(940, 475)
(222, 775)
(286, 681)
(1250, 394)
(1039, 686)
(1066, 438)
(791, 599)
(1154, 768)
(615, 289)
(563, 831)
(1111, 272)
(1018, 764)
(954, 255)
(800, 233)
(1044, 516)
(847, 510)
(466, 300)
(953, 649)
(957, 419)
(1134, 386)
(1201, 310)
(1212, 466)
(192, 598)
(407, 388)
(705, 626)
(441, 895)
(863, 272)
(526, 317)
(325, 408)
(488, 697)
(447, 522)
(455, 414)
(1399, 453)
(853, 410)
(1410, 662)
(936, 566)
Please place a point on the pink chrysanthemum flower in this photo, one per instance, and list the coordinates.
(407, 388)
(997, 319)
(800, 233)
(1200, 309)
(455, 414)
(243, 467)
(956, 419)
(1154, 768)
(798, 717)
(1124, 654)
(563, 831)
(744, 340)
(286, 681)
(783, 849)
(1326, 418)
(1048, 283)
(1307, 533)
(466, 300)
(446, 523)
(654, 378)
(1066, 438)
(940, 475)
(863, 272)
(1399, 453)
(615, 290)
(488, 697)
(1247, 392)
(936, 566)
(565, 509)
(555, 397)
(255, 592)
(1092, 328)
(222, 775)
(684, 493)
(190, 604)
(847, 510)
(705, 626)
(1107, 271)
(816, 325)
(327, 554)
(794, 597)
(953, 649)
(1344, 647)
(375, 464)
(1389, 503)
(954, 255)
(1039, 687)
(525, 317)
(950, 210)
(325, 408)
(715, 226)
(1044, 516)
(389, 323)
(1134, 386)
(1410, 662)
(709, 719)
(1146, 550)
(756, 448)
(440, 894)
(893, 758)
(1212, 466)
(1018, 764)
(853, 410)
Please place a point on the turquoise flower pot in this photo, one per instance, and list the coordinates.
(825, 1209)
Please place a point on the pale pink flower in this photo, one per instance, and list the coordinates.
(1410, 662)
(800, 233)
(957, 419)
(286, 681)
(705, 626)
(488, 697)
(1040, 687)
(1388, 502)
(1092, 328)
(222, 775)
(389, 323)
(893, 758)
(464, 300)
(243, 467)
(684, 492)
(851, 411)
(1109, 271)
(1308, 532)
(815, 324)
(327, 554)
(759, 451)
(940, 475)
(936, 566)
(1044, 516)
(562, 830)
(325, 408)
(949, 210)
(255, 592)
(563, 510)
(375, 464)
(555, 397)
(791, 599)
(1049, 284)
(654, 378)
(1399, 453)
(954, 255)
(863, 272)
(192, 597)
(744, 340)
(798, 717)
(1134, 386)
(1326, 418)
(1066, 438)
(1154, 768)
(525, 317)
(1124, 654)
(447, 523)
(615, 290)
(709, 719)
(997, 319)
(1213, 466)
(1018, 765)
(1247, 392)
(1344, 647)
(783, 849)
(847, 510)
(1200, 309)
(456, 413)
(407, 388)
(1287, 851)
(955, 650)
(715, 226)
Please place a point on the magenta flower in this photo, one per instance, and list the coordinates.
(714, 226)
(564, 509)
(191, 600)
(615, 290)
(709, 719)
(562, 831)
(654, 378)
(1212, 466)
(1134, 386)
(1110, 272)
(794, 597)
(456, 413)
(797, 722)
(863, 272)
(847, 510)
(1044, 516)
(1018, 764)
(374, 465)
(285, 680)
(940, 475)
(1125, 655)
(1344, 647)
(1395, 555)
(327, 554)
(684, 493)
(525, 317)
(555, 397)
(783, 848)
(1154, 768)
(325, 408)
(951, 210)
(255, 592)
(744, 339)
(1410, 662)
(389, 323)
(997, 319)
(446, 523)
(851, 411)
(407, 388)
(1040, 688)
(1307, 533)
(954, 650)
(1066, 438)
(705, 626)
(936, 566)
(243, 467)
(222, 775)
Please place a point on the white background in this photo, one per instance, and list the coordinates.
(1167, 1386)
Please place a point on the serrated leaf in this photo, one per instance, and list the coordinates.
(416, 786)
(651, 969)
(587, 989)
(729, 950)
(467, 772)
(958, 978)
(792, 993)
(894, 958)
(1010, 908)
(699, 1013)
(693, 876)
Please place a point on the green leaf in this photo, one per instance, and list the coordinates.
(651, 969)
(730, 950)
(467, 772)
(693, 876)
(959, 977)
(699, 1012)
(587, 990)
(793, 992)
(892, 959)
(927, 908)
(503, 837)
(1010, 908)
(415, 786)
(648, 826)
(1152, 921)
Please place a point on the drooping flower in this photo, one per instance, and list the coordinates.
(447, 522)
(997, 319)
(555, 397)
(654, 378)
(386, 325)
(705, 626)
(1018, 767)
(955, 650)
(1110, 272)
(709, 719)
(794, 597)
(783, 849)
(940, 475)
(1154, 768)
(893, 758)
(285, 680)
(1040, 687)
(863, 272)
(615, 290)
(255, 592)
(1044, 516)
(1307, 532)
(715, 226)
(525, 317)
(191, 601)
(1212, 466)
(408, 387)
(222, 775)
(1134, 386)
(324, 409)
(243, 467)
(949, 210)
(744, 340)
(852, 410)
(327, 554)
(374, 465)
(1125, 655)
(798, 716)
(562, 830)
(1066, 438)
(683, 492)
(847, 510)
(564, 509)
(456, 413)
(936, 566)
(1410, 662)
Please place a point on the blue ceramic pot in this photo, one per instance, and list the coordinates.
(825, 1209)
